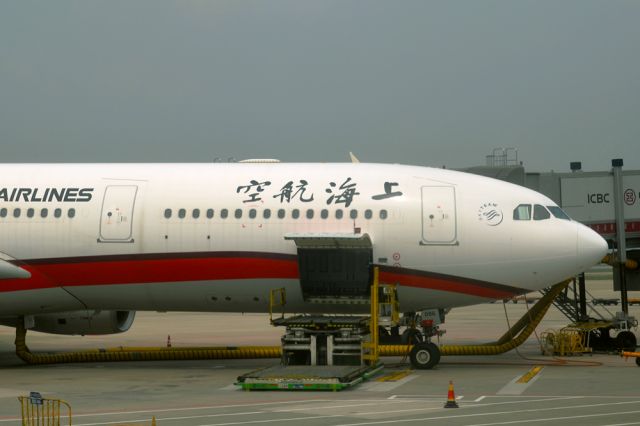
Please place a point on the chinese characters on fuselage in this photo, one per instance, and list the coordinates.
(343, 193)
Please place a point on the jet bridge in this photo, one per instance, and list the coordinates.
(334, 268)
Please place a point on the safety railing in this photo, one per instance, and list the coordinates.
(39, 411)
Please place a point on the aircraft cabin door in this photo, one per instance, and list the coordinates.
(116, 218)
(439, 225)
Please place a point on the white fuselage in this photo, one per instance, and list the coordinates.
(155, 236)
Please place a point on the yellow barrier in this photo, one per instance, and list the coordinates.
(37, 410)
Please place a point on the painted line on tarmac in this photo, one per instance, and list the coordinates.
(526, 378)
(326, 407)
(179, 409)
(520, 383)
(394, 377)
(422, 419)
(388, 385)
(550, 419)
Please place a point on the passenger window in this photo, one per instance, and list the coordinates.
(253, 213)
(383, 214)
(310, 214)
(540, 213)
(182, 213)
(44, 213)
(353, 214)
(3, 212)
(339, 214)
(167, 213)
(522, 212)
(238, 213)
(266, 214)
(209, 213)
(30, 212)
(16, 212)
(71, 213)
(224, 213)
(195, 213)
(295, 213)
(57, 213)
(558, 212)
(368, 214)
(324, 213)
(281, 213)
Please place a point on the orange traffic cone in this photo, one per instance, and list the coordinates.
(451, 397)
(169, 341)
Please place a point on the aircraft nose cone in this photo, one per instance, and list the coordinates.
(591, 247)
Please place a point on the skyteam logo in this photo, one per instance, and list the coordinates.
(490, 214)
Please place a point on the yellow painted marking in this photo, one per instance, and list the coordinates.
(526, 378)
(393, 377)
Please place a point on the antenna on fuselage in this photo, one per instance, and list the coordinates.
(354, 159)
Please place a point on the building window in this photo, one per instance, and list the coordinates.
(224, 213)
(383, 214)
(209, 213)
(266, 213)
(44, 213)
(195, 213)
(295, 213)
(238, 213)
(167, 213)
(71, 213)
(182, 213)
(324, 213)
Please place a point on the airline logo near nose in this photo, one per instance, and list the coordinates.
(490, 214)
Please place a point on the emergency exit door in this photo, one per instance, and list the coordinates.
(439, 225)
(116, 219)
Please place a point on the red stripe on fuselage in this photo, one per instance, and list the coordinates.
(448, 283)
(48, 273)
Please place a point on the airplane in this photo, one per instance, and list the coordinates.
(84, 246)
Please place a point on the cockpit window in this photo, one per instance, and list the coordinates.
(558, 212)
(540, 213)
(522, 212)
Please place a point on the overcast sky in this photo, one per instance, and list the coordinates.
(415, 82)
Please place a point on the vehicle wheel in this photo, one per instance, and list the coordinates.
(638, 362)
(626, 340)
(424, 356)
(412, 336)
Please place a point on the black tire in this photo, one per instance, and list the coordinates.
(412, 336)
(424, 356)
(638, 362)
(626, 340)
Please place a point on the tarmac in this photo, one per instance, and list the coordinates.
(592, 389)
